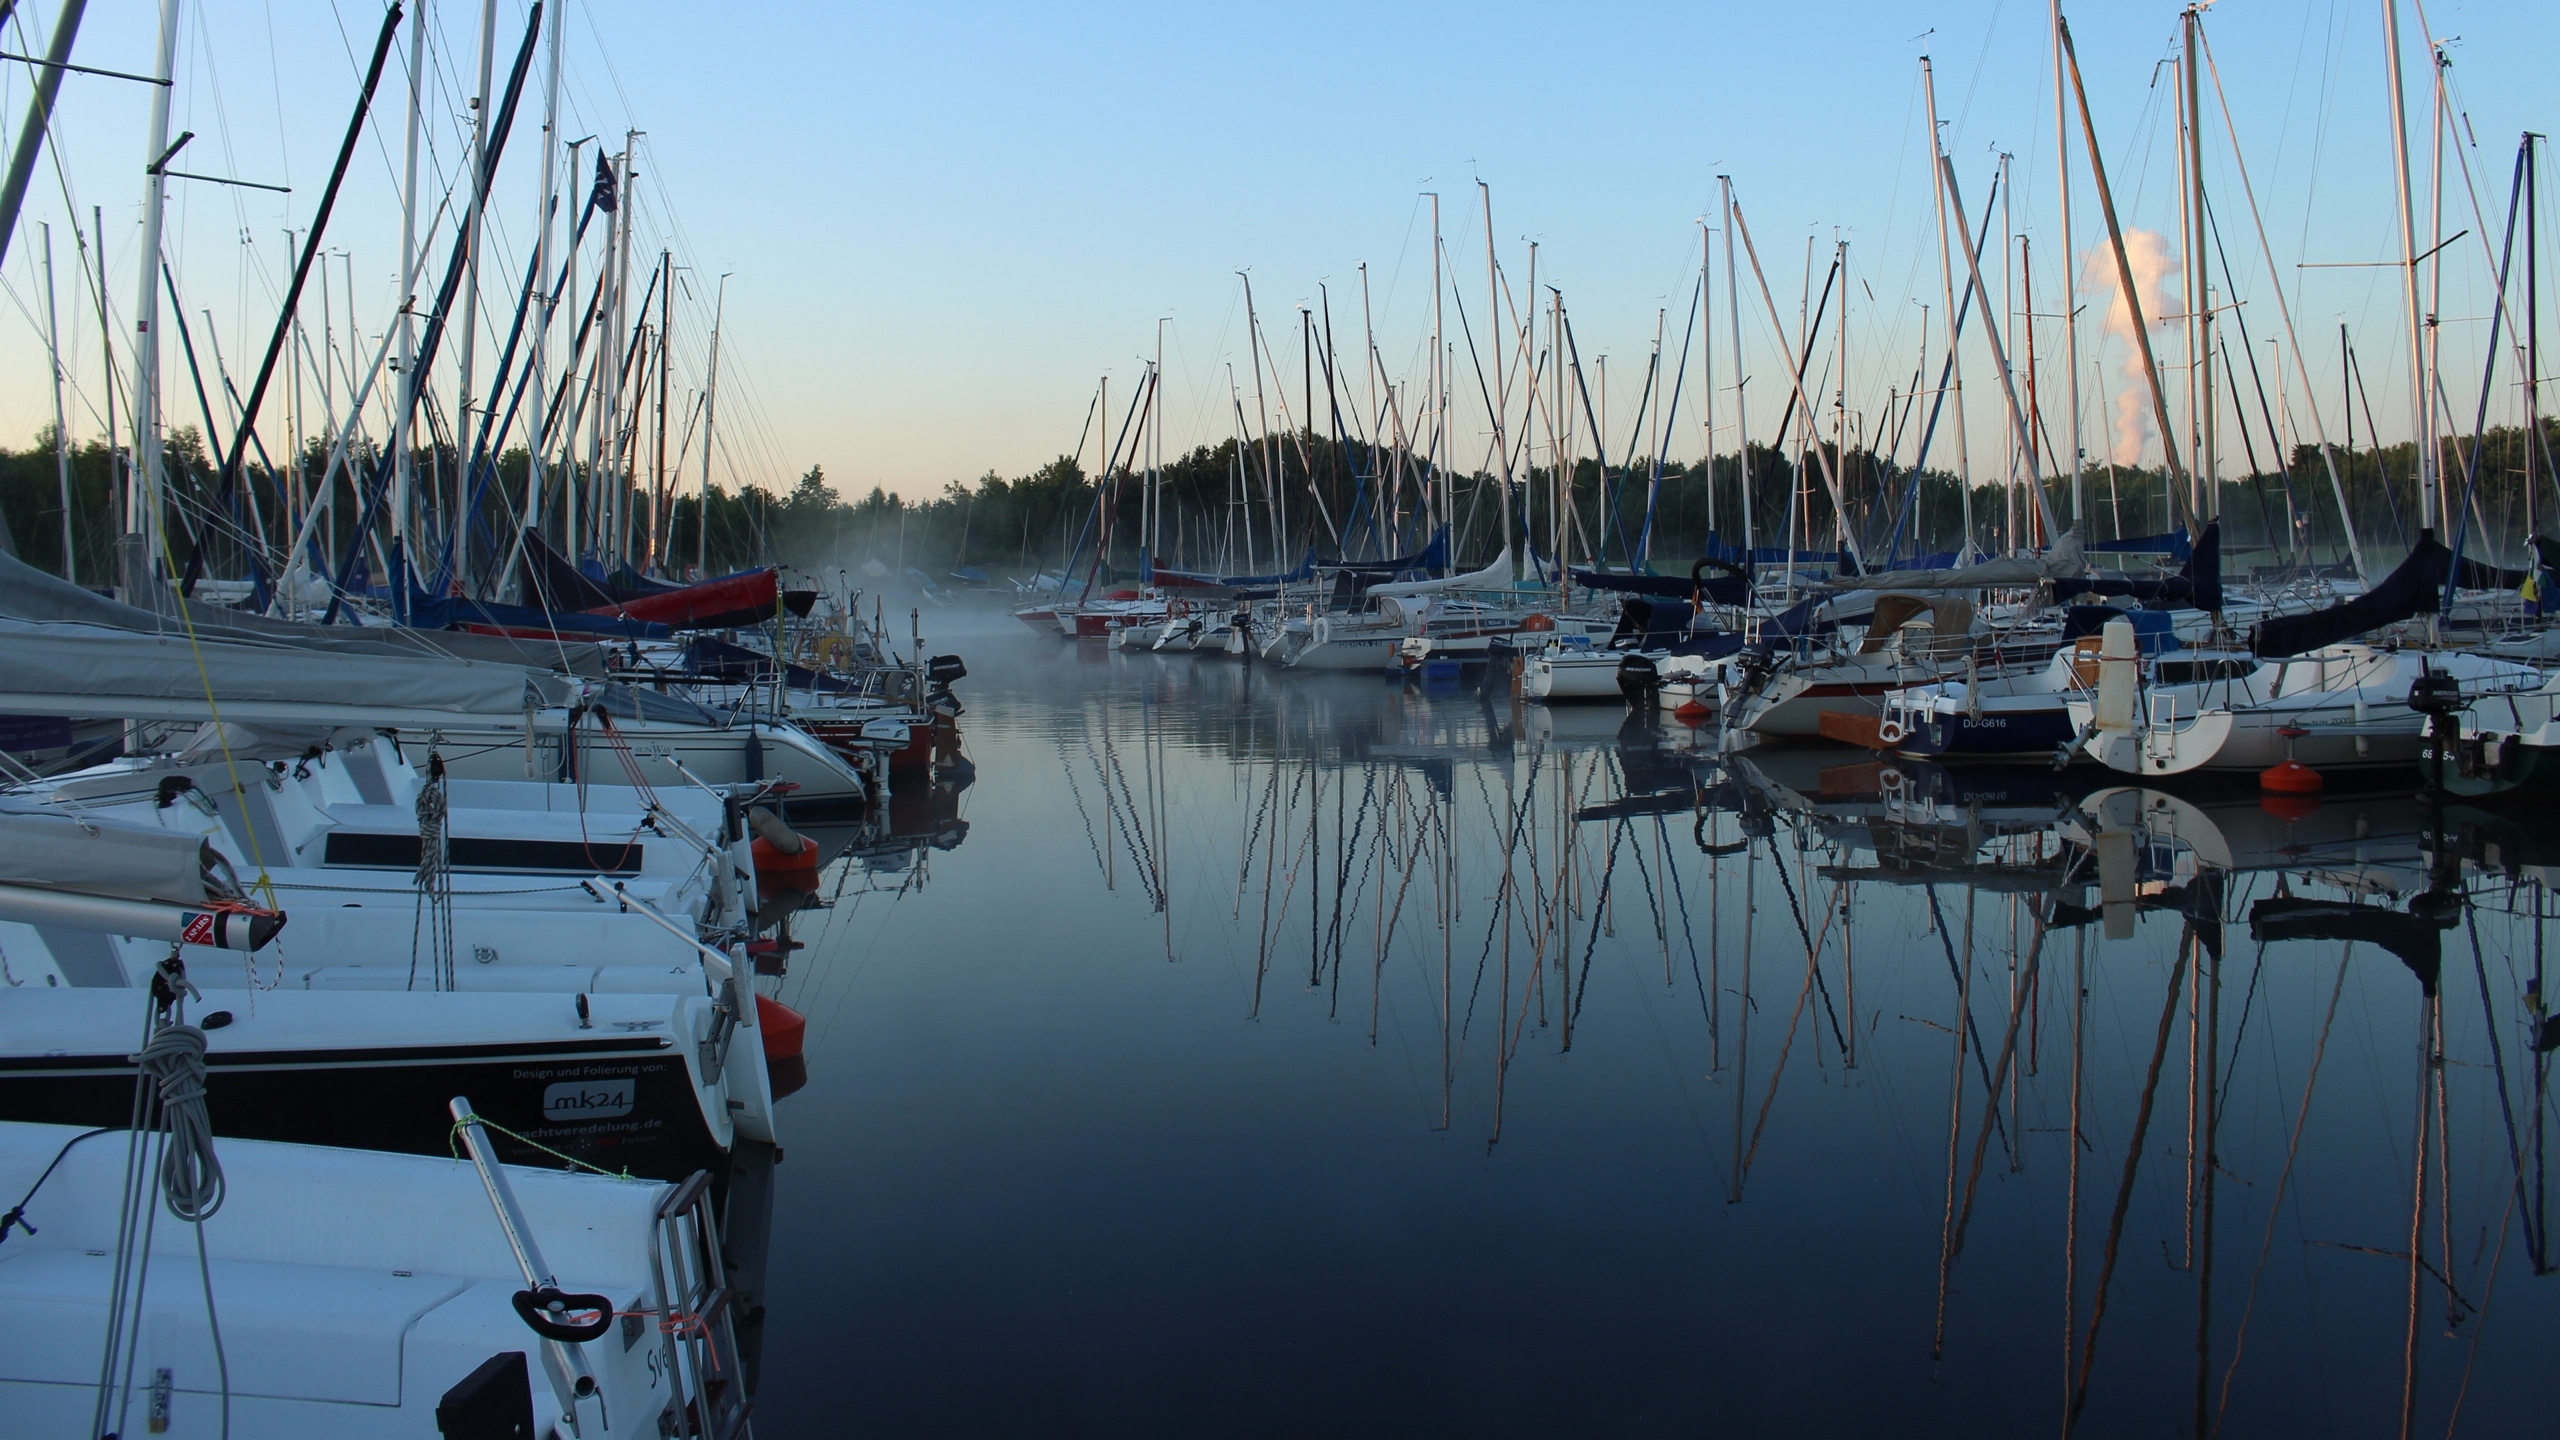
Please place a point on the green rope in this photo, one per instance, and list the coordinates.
(453, 1143)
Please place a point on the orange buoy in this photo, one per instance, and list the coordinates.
(784, 1028)
(1692, 713)
(2292, 777)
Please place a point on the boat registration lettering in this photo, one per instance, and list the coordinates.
(587, 1100)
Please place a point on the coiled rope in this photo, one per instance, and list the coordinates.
(169, 1113)
(190, 1173)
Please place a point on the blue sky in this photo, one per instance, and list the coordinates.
(944, 224)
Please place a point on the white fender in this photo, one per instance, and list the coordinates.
(2119, 675)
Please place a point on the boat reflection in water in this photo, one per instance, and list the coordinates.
(2031, 1101)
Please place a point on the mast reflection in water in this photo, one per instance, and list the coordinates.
(1293, 1054)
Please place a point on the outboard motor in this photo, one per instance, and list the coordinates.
(939, 672)
(1639, 680)
(2437, 695)
(1501, 659)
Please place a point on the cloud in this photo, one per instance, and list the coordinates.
(2147, 254)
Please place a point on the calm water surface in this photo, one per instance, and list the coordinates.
(1304, 1055)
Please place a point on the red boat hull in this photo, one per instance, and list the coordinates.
(730, 600)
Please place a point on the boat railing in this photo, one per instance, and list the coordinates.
(2159, 737)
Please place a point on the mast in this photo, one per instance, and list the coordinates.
(403, 464)
(143, 519)
(666, 332)
(1840, 426)
(537, 424)
(710, 414)
(294, 346)
(1381, 506)
(1101, 502)
(2532, 342)
(1707, 349)
(2124, 263)
(61, 439)
(1741, 411)
(31, 135)
(1991, 336)
(1262, 411)
(2208, 458)
(2006, 330)
(1501, 371)
(2284, 311)
(457, 544)
(2190, 309)
(1600, 431)
(1798, 531)
(2035, 418)
(1155, 451)
(1437, 372)
(571, 513)
(2421, 408)
(1529, 402)
(619, 509)
(1947, 284)
(116, 493)
(1561, 417)
(2434, 404)
(2070, 273)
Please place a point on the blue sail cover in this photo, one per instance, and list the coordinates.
(1717, 548)
(1420, 565)
(2415, 587)
(1718, 589)
(1306, 570)
(441, 612)
(2198, 582)
(2173, 543)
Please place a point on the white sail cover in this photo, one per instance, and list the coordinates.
(98, 856)
(91, 671)
(1496, 576)
(31, 595)
(2059, 561)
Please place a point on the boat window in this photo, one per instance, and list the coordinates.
(2203, 672)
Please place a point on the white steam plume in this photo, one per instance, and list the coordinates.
(2147, 252)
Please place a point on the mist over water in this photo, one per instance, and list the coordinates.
(1286, 1054)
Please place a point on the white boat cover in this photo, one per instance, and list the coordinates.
(1496, 576)
(100, 856)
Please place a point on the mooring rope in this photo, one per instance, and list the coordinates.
(432, 927)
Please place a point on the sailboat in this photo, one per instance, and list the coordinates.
(2304, 691)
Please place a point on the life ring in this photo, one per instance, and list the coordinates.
(1891, 732)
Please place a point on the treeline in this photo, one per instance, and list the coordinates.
(1218, 509)
(1215, 497)
(745, 528)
